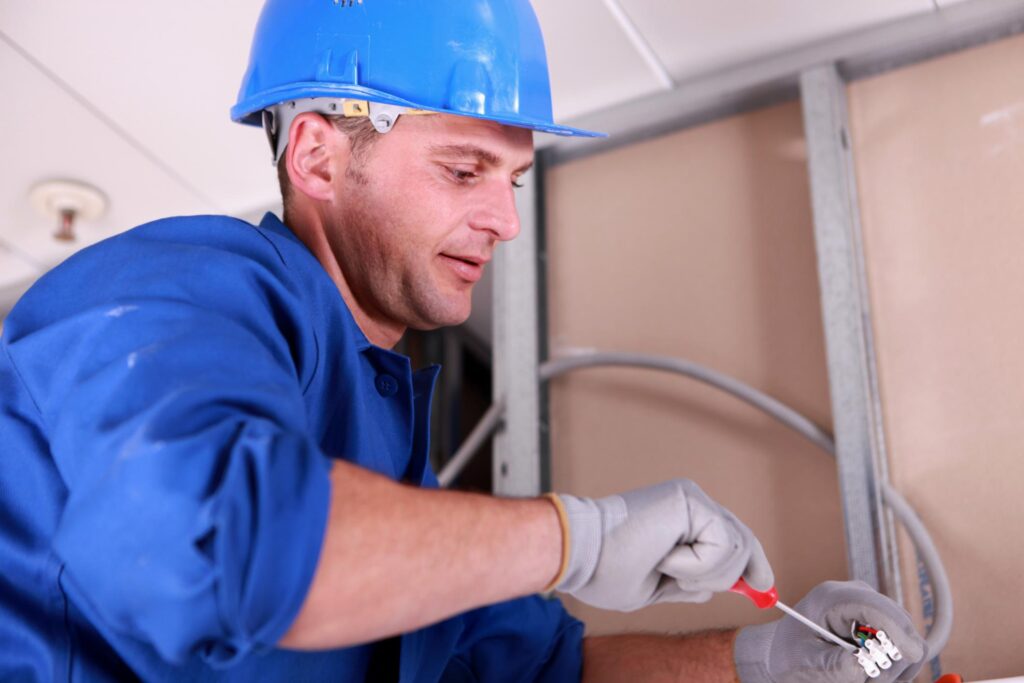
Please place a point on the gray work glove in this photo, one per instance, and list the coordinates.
(665, 543)
(786, 651)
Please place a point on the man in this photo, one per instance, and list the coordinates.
(215, 469)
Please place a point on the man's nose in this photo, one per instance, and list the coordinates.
(496, 212)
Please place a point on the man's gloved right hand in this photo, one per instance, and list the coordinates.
(665, 543)
(786, 651)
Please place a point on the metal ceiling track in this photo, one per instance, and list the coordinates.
(777, 78)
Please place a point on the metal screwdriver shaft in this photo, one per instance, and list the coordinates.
(804, 620)
(770, 598)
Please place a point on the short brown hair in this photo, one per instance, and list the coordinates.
(361, 135)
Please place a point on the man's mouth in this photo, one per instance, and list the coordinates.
(468, 267)
(475, 260)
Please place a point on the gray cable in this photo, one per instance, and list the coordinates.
(942, 626)
(483, 430)
(780, 411)
(939, 634)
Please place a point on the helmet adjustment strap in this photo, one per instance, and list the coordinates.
(277, 120)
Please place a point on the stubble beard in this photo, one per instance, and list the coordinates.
(397, 284)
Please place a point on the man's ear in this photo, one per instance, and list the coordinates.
(314, 144)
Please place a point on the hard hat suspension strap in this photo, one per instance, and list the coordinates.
(277, 120)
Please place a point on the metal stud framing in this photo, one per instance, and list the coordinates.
(517, 462)
(856, 407)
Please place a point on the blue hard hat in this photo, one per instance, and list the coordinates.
(479, 58)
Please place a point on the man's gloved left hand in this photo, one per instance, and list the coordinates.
(786, 651)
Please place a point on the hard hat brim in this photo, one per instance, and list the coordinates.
(249, 110)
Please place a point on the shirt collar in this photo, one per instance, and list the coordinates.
(271, 223)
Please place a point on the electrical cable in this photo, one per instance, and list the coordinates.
(483, 430)
(774, 408)
(942, 626)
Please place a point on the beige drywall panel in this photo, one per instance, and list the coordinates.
(939, 153)
(698, 244)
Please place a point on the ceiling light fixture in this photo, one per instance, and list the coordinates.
(65, 201)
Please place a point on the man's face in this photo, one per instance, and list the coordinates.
(418, 215)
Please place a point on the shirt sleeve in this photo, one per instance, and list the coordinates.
(171, 393)
(527, 639)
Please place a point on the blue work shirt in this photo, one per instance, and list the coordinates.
(170, 401)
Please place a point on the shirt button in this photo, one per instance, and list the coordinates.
(386, 385)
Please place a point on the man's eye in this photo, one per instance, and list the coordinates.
(461, 175)
(516, 183)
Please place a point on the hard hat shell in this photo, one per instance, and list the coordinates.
(479, 58)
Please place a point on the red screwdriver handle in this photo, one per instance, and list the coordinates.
(763, 599)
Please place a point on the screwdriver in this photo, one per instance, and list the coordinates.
(770, 598)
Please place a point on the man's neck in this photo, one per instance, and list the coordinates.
(378, 330)
(380, 334)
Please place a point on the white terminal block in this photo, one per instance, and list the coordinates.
(888, 646)
(878, 654)
(868, 664)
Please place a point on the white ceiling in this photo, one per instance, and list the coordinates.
(133, 97)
